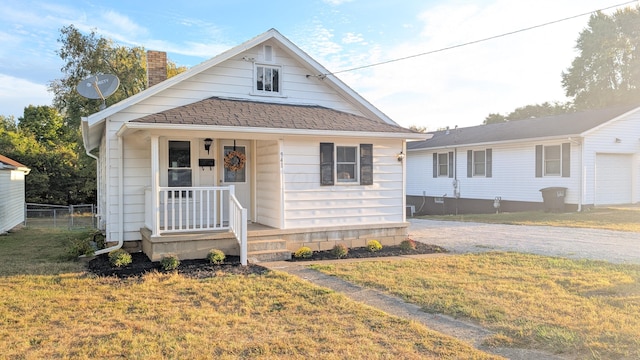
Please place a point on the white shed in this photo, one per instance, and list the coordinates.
(12, 193)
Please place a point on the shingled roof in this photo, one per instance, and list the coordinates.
(8, 163)
(217, 111)
(551, 126)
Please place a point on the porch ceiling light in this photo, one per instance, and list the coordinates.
(207, 144)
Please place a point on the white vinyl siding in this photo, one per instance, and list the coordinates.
(11, 199)
(309, 204)
(268, 184)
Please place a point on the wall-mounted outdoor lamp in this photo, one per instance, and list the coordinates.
(207, 144)
(401, 156)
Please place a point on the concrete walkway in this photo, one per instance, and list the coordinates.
(462, 237)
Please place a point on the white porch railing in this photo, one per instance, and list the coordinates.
(189, 209)
(238, 224)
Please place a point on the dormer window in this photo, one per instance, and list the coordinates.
(267, 79)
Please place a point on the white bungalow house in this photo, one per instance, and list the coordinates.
(592, 156)
(257, 151)
(12, 188)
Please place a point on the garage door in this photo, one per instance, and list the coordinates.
(613, 179)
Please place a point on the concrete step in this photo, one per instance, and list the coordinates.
(268, 255)
(260, 245)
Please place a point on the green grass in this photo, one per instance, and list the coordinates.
(618, 218)
(585, 308)
(48, 312)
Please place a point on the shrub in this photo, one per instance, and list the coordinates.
(304, 253)
(340, 251)
(119, 258)
(169, 262)
(216, 256)
(408, 244)
(374, 245)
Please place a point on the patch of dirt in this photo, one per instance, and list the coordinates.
(363, 252)
(198, 268)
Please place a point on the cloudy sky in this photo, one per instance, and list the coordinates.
(457, 87)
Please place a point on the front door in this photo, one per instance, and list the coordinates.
(236, 170)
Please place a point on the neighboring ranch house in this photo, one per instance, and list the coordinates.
(12, 189)
(258, 145)
(594, 155)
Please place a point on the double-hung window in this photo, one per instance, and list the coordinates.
(479, 163)
(553, 160)
(267, 79)
(443, 164)
(346, 164)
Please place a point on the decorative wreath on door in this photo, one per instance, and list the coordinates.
(234, 161)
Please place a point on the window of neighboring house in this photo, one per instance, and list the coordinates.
(443, 164)
(268, 79)
(350, 164)
(179, 173)
(553, 160)
(479, 163)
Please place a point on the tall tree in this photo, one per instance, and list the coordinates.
(607, 70)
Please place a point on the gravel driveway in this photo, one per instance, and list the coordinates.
(576, 243)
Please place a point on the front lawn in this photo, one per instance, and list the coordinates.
(585, 309)
(49, 312)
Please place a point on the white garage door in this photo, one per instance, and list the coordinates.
(613, 179)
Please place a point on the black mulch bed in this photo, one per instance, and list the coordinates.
(198, 269)
(202, 268)
(363, 252)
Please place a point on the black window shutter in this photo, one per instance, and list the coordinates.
(538, 161)
(566, 160)
(326, 163)
(489, 161)
(469, 163)
(435, 165)
(366, 164)
(450, 164)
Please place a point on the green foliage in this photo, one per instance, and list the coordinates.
(374, 245)
(340, 251)
(408, 244)
(169, 262)
(80, 247)
(531, 111)
(607, 70)
(216, 256)
(119, 258)
(304, 253)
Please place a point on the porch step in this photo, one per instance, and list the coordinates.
(268, 250)
(272, 244)
(268, 255)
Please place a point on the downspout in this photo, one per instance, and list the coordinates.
(120, 202)
(583, 178)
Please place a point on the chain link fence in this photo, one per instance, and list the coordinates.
(58, 216)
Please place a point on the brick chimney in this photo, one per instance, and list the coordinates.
(156, 67)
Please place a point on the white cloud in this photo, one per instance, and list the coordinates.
(462, 86)
(14, 91)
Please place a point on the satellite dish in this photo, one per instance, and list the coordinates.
(98, 86)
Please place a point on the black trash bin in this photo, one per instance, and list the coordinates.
(553, 198)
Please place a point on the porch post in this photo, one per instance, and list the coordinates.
(155, 183)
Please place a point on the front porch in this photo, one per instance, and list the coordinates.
(265, 243)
